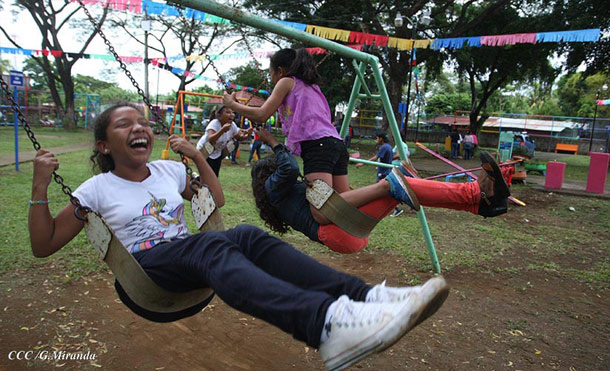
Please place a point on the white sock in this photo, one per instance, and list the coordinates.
(327, 318)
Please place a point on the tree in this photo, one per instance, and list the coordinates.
(486, 69)
(187, 32)
(5, 66)
(577, 94)
(586, 14)
(51, 20)
(249, 75)
(377, 17)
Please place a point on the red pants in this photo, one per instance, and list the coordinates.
(457, 196)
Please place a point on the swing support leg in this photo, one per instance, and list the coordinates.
(365, 59)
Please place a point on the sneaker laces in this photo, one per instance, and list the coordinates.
(352, 314)
(382, 293)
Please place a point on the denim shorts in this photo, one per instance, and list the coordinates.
(325, 155)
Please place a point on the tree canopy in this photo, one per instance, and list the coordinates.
(486, 70)
(51, 20)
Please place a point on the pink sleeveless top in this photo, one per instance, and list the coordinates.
(305, 115)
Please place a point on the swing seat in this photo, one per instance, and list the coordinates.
(134, 287)
(208, 148)
(330, 204)
(206, 214)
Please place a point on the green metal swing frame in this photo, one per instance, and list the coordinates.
(360, 62)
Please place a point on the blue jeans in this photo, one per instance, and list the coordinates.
(468, 150)
(455, 150)
(234, 153)
(254, 273)
(256, 146)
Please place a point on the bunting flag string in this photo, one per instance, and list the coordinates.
(179, 71)
(157, 8)
(328, 33)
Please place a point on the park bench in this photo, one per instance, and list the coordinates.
(570, 148)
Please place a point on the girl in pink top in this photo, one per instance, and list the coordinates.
(305, 116)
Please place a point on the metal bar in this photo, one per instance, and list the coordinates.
(387, 106)
(242, 16)
(372, 96)
(375, 163)
(448, 162)
(362, 81)
(16, 128)
(247, 18)
(473, 169)
(352, 102)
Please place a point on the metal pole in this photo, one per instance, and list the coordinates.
(16, 99)
(594, 118)
(146, 27)
(242, 16)
(409, 94)
(157, 99)
(417, 120)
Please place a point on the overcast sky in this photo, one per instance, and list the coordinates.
(23, 29)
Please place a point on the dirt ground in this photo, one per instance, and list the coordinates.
(492, 320)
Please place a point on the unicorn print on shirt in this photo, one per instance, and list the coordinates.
(156, 224)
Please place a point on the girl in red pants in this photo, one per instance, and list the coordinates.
(280, 197)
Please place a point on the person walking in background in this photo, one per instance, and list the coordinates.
(256, 145)
(468, 146)
(384, 155)
(396, 162)
(456, 138)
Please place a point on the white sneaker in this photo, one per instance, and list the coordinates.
(434, 292)
(397, 211)
(383, 294)
(359, 329)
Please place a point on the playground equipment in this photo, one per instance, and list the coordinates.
(179, 108)
(461, 169)
(361, 61)
(90, 109)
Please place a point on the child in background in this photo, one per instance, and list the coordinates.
(281, 197)
(256, 147)
(384, 155)
(219, 132)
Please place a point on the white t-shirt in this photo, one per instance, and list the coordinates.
(141, 214)
(221, 142)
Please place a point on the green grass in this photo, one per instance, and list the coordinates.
(463, 241)
(47, 137)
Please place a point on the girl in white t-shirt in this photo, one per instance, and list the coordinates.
(251, 271)
(220, 132)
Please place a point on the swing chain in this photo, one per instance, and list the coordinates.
(158, 120)
(123, 67)
(58, 178)
(323, 59)
(211, 63)
(185, 21)
(261, 75)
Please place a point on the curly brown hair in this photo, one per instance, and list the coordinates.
(262, 170)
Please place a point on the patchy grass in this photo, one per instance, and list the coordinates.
(544, 237)
(47, 137)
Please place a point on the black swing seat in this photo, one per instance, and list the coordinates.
(330, 204)
(135, 288)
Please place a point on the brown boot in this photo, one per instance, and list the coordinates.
(494, 191)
